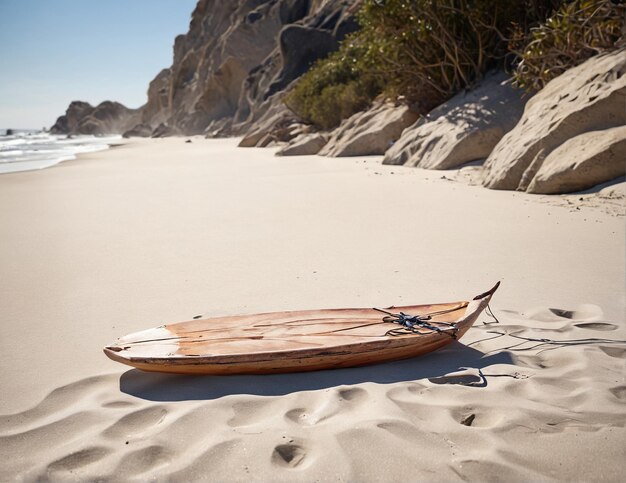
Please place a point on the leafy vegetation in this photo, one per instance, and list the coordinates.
(335, 87)
(428, 50)
(577, 31)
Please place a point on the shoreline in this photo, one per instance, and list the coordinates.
(42, 150)
(160, 230)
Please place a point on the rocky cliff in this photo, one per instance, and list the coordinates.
(587, 98)
(106, 118)
(230, 69)
(568, 137)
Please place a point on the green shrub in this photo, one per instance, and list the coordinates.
(423, 50)
(577, 31)
(428, 50)
(334, 88)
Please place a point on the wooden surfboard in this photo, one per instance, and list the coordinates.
(298, 340)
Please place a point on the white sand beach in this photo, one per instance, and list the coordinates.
(161, 230)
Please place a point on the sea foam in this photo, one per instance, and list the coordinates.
(29, 150)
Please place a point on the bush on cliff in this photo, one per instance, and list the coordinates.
(577, 31)
(335, 87)
(430, 50)
(423, 50)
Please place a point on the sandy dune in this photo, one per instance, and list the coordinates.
(159, 230)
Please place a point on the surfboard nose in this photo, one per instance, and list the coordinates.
(115, 348)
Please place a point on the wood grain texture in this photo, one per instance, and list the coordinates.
(289, 341)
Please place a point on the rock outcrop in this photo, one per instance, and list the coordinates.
(106, 118)
(369, 132)
(305, 144)
(589, 97)
(584, 161)
(232, 66)
(139, 131)
(464, 129)
(164, 130)
(262, 131)
(299, 46)
(156, 110)
(69, 121)
(238, 59)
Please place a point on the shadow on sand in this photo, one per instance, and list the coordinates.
(599, 187)
(172, 387)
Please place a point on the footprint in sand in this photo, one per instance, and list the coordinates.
(341, 400)
(142, 460)
(136, 422)
(79, 459)
(290, 455)
(118, 404)
(298, 416)
(247, 413)
(619, 392)
(566, 314)
(616, 352)
(400, 429)
(407, 392)
(584, 312)
(410, 398)
(353, 394)
(478, 417)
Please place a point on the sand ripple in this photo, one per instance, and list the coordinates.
(477, 413)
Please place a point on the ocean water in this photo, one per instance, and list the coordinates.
(28, 150)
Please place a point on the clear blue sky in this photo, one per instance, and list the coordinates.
(55, 51)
